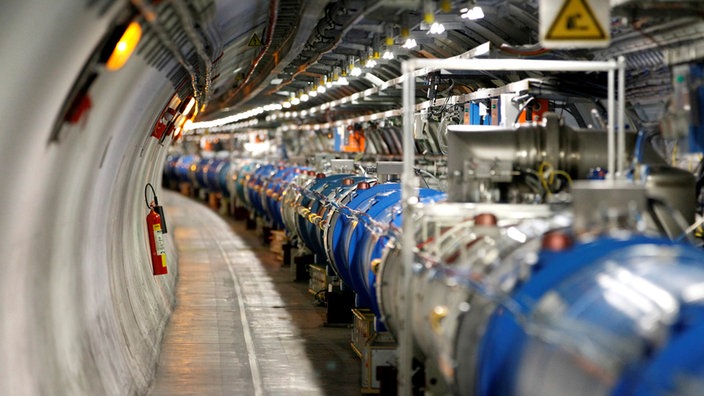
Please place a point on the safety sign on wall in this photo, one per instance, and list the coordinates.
(254, 41)
(574, 23)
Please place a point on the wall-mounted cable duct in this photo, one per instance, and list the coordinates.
(150, 16)
(196, 40)
(273, 14)
(324, 41)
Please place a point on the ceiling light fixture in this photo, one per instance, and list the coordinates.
(303, 96)
(356, 72)
(410, 43)
(473, 13)
(388, 55)
(436, 28)
(124, 47)
(189, 106)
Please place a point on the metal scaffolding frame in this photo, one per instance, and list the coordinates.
(408, 192)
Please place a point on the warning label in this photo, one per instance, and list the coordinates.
(255, 41)
(159, 240)
(574, 23)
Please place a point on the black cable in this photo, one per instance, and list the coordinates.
(522, 109)
(447, 98)
(318, 294)
(146, 199)
(419, 173)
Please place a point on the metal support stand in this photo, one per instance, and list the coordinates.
(610, 128)
(408, 199)
(621, 151)
(409, 184)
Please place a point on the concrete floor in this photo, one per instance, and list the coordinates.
(241, 326)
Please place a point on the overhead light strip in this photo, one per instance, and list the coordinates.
(484, 93)
(474, 52)
(518, 86)
(482, 49)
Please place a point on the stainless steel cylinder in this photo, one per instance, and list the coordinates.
(463, 261)
(575, 151)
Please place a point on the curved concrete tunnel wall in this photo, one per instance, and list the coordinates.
(81, 312)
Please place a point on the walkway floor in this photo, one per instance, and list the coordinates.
(241, 325)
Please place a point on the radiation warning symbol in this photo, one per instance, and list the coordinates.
(574, 23)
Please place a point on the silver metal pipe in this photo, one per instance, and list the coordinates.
(610, 128)
(621, 117)
(409, 198)
(575, 151)
(516, 64)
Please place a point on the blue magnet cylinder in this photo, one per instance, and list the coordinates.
(216, 176)
(201, 172)
(363, 233)
(315, 203)
(182, 168)
(618, 316)
(243, 175)
(255, 187)
(273, 190)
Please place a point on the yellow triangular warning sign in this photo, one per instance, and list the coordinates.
(575, 21)
(254, 41)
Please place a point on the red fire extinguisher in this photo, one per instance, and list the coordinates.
(156, 227)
